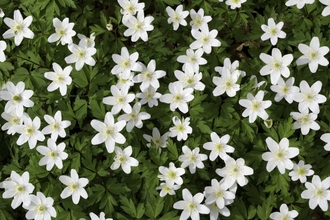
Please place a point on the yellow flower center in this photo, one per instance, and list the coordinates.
(180, 128)
(176, 17)
(17, 98)
(205, 39)
(301, 172)
(171, 174)
(273, 31)
(80, 54)
(218, 147)
(193, 158)
(55, 127)
(284, 89)
(40, 209)
(197, 21)
(313, 55)
(72, 187)
(177, 98)
(234, 170)
(28, 131)
(120, 99)
(58, 78)
(280, 155)
(17, 27)
(147, 75)
(52, 154)
(19, 189)
(219, 194)
(138, 26)
(61, 32)
(256, 105)
(319, 192)
(125, 63)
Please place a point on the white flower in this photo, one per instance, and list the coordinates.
(317, 192)
(276, 65)
(53, 154)
(273, 31)
(218, 193)
(218, 146)
(305, 121)
(178, 97)
(181, 129)
(326, 138)
(257, 84)
(63, 32)
(125, 63)
(235, 171)
(205, 39)
(149, 96)
(122, 81)
(156, 139)
(284, 213)
(55, 125)
(214, 211)
(165, 189)
(191, 205)
(192, 158)
(95, 217)
(81, 54)
(198, 20)
(17, 97)
(300, 3)
(279, 155)
(285, 90)
(232, 67)
(61, 78)
(326, 10)
(109, 27)
(235, 3)
(149, 76)
(255, 106)
(309, 97)
(29, 131)
(301, 171)
(138, 27)
(2, 14)
(171, 175)
(109, 132)
(226, 83)
(177, 17)
(189, 79)
(12, 120)
(192, 60)
(90, 40)
(41, 208)
(134, 118)
(75, 186)
(313, 54)
(130, 7)
(120, 99)
(19, 27)
(19, 188)
(3, 46)
(124, 160)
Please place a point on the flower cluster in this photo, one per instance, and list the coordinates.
(152, 102)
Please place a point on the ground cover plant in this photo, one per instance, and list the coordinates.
(164, 109)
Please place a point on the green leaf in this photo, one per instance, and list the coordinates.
(128, 206)
(80, 108)
(172, 215)
(67, 3)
